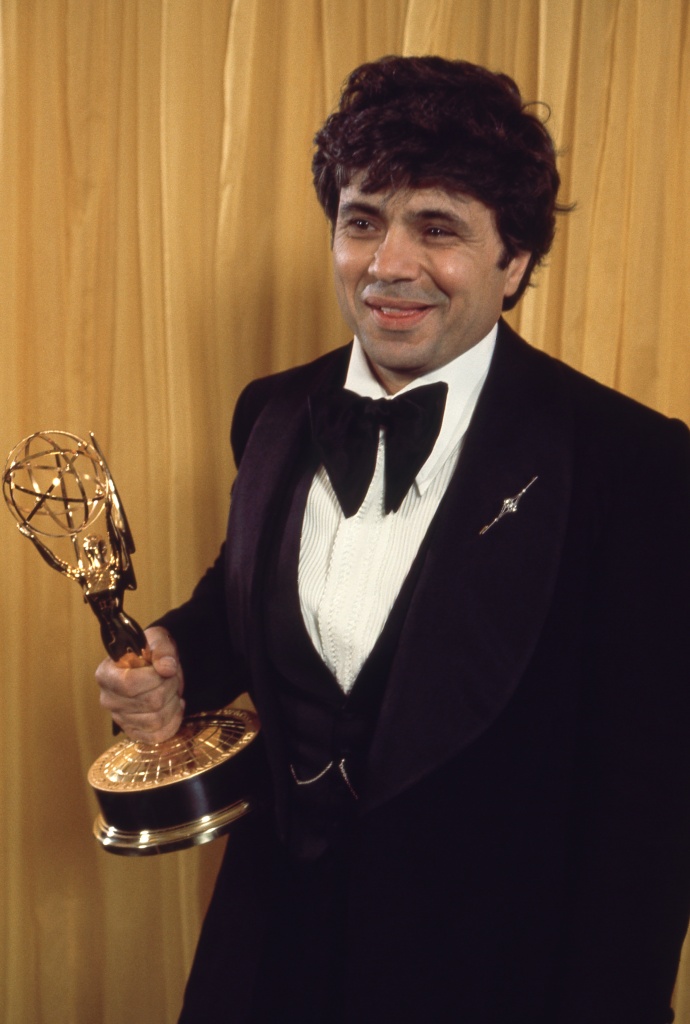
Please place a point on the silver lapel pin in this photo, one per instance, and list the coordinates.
(509, 505)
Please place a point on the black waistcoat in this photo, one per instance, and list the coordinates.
(327, 732)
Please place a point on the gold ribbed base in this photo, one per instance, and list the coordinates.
(186, 791)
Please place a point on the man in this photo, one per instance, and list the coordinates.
(470, 661)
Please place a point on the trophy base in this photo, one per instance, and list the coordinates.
(156, 798)
(167, 840)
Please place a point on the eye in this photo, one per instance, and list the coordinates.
(436, 231)
(359, 224)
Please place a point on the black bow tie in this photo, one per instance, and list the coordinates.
(345, 428)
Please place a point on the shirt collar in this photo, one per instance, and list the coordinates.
(464, 375)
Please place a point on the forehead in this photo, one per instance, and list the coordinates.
(412, 201)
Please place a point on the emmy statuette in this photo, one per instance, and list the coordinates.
(153, 798)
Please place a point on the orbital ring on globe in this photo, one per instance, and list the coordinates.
(55, 483)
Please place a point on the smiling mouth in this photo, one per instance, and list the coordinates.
(397, 316)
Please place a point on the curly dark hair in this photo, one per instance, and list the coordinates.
(427, 122)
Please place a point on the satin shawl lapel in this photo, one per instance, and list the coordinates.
(481, 600)
(279, 438)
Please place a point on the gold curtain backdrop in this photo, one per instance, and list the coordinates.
(160, 246)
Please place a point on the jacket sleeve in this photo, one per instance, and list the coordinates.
(213, 671)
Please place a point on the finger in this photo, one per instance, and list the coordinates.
(166, 665)
(149, 721)
(149, 728)
(160, 642)
(127, 683)
(149, 724)
(139, 695)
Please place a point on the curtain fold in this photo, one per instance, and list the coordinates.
(160, 246)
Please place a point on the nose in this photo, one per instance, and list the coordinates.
(395, 258)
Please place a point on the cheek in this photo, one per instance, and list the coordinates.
(346, 274)
(344, 293)
(340, 287)
(450, 274)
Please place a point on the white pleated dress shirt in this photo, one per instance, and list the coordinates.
(351, 570)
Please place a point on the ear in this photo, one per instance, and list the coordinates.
(515, 272)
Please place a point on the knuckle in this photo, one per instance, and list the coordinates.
(106, 701)
(130, 683)
(149, 717)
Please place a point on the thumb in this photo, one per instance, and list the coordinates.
(164, 656)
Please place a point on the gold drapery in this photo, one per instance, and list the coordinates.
(159, 247)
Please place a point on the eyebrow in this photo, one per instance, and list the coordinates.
(358, 206)
(437, 213)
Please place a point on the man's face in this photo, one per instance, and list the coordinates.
(417, 276)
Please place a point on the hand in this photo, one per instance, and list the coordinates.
(145, 700)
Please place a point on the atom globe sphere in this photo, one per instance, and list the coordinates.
(55, 483)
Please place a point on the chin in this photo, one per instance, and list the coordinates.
(397, 352)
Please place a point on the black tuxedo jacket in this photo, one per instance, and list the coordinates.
(522, 851)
